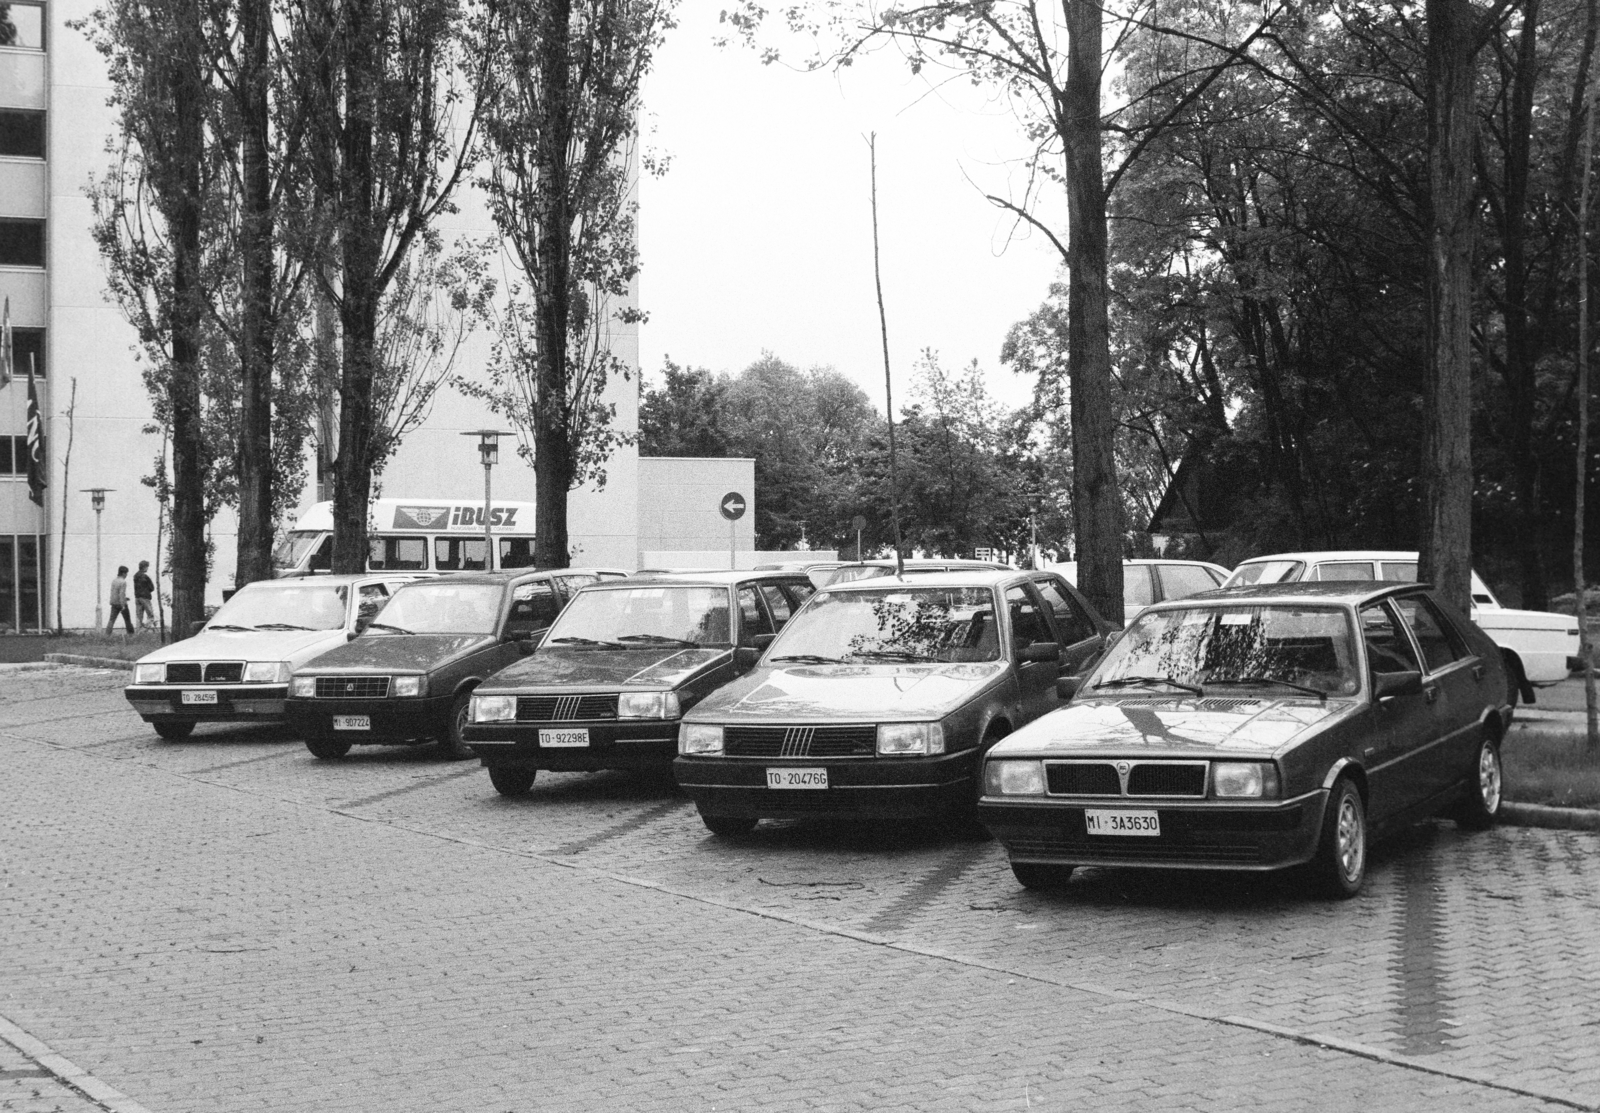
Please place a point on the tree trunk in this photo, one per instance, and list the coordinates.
(1446, 551)
(254, 456)
(1097, 500)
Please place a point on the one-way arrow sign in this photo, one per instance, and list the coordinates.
(732, 506)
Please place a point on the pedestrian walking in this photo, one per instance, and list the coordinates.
(119, 599)
(144, 592)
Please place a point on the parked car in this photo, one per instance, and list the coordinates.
(881, 696)
(1154, 581)
(1258, 728)
(619, 668)
(236, 668)
(409, 676)
(848, 572)
(1540, 648)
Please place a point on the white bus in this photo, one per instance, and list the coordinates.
(414, 535)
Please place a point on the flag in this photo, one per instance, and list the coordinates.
(7, 360)
(36, 459)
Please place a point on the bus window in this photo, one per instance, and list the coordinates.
(395, 554)
(458, 554)
(516, 552)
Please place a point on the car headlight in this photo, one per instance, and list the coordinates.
(910, 738)
(266, 672)
(1013, 778)
(494, 709)
(700, 738)
(648, 705)
(406, 686)
(1243, 779)
(149, 674)
(303, 687)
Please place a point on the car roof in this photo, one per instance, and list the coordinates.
(961, 577)
(497, 578)
(1354, 592)
(1327, 555)
(710, 576)
(324, 578)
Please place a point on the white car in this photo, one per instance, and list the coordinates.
(1539, 647)
(236, 669)
(1154, 581)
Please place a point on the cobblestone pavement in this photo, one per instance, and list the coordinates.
(227, 923)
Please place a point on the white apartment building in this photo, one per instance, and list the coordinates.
(54, 127)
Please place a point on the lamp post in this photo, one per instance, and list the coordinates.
(489, 453)
(97, 499)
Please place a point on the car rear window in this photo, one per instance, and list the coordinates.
(1179, 580)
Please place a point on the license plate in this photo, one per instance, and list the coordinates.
(797, 778)
(555, 739)
(199, 697)
(1147, 824)
(352, 722)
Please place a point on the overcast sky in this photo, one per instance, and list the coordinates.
(759, 237)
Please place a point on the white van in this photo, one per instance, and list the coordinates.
(414, 535)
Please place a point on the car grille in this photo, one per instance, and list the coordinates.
(1083, 779)
(561, 709)
(830, 741)
(1145, 778)
(1167, 779)
(352, 687)
(198, 672)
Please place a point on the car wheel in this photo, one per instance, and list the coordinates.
(451, 747)
(728, 825)
(1034, 875)
(1481, 808)
(172, 730)
(327, 749)
(1340, 866)
(511, 780)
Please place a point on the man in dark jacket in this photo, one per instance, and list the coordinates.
(144, 591)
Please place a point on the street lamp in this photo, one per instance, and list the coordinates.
(97, 499)
(489, 453)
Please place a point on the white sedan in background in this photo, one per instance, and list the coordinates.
(1539, 647)
(1154, 581)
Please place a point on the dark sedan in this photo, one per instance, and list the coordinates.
(619, 668)
(1258, 728)
(408, 677)
(881, 696)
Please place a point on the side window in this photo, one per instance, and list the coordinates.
(458, 554)
(799, 591)
(1137, 590)
(1071, 621)
(516, 552)
(1028, 626)
(753, 618)
(777, 603)
(1388, 648)
(1403, 570)
(1180, 580)
(570, 585)
(371, 601)
(533, 607)
(1343, 570)
(1441, 645)
(397, 554)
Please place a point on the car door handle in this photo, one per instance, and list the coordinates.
(1431, 692)
(1477, 672)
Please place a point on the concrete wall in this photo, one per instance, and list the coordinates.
(679, 505)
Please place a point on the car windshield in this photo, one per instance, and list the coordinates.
(1266, 572)
(898, 623)
(293, 548)
(440, 608)
(1276, 645)
(305, 604)
(644, 617)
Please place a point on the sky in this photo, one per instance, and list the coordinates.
(759, 236)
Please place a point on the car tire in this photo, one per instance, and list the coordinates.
(511, 780)
(451, 747)
(727, 826)
(1339, 868)
(1041, 876)
(172, 730)
(1485, 786)
(327, 749)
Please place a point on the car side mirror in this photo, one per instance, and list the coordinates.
(745, 658)
(1068, 686)
(759, 642)
(1040, 651)
(1386, 685)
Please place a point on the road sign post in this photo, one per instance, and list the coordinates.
(858, 523)
(732, 508)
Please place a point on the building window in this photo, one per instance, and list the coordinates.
(22, 24)
(21, 133)
(28, 344)
(21, 243)
(14, 455)
(22, 568)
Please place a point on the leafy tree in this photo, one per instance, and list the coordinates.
(685, 416)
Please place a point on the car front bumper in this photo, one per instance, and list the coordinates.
(236, 703)
(875, 787)
(393, 721)
(612, 744)
(1202, 836)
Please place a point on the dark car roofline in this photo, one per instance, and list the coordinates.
(959, 577)
(719, 577)
(1354, 592)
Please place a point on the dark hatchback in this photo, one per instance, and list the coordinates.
(409, 676)
(880, 698)
(618, 669)
(1257, 728)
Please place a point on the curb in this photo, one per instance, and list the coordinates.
(65, 1070)
(1540, 815)
(88, 661)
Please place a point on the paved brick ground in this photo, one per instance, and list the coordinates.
(229, 924)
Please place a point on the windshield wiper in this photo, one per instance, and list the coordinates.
(386, 626)
(585, 641)
(283, 626)
(658, 639)
(226, 626)
(893, 655)
(805, 658)
(1125, 681)
(1306, 688)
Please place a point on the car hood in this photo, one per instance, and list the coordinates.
(1206, 725)
(294, 646)
(652, 667)
(848, 692)
(407, 652)
(1506, 618)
